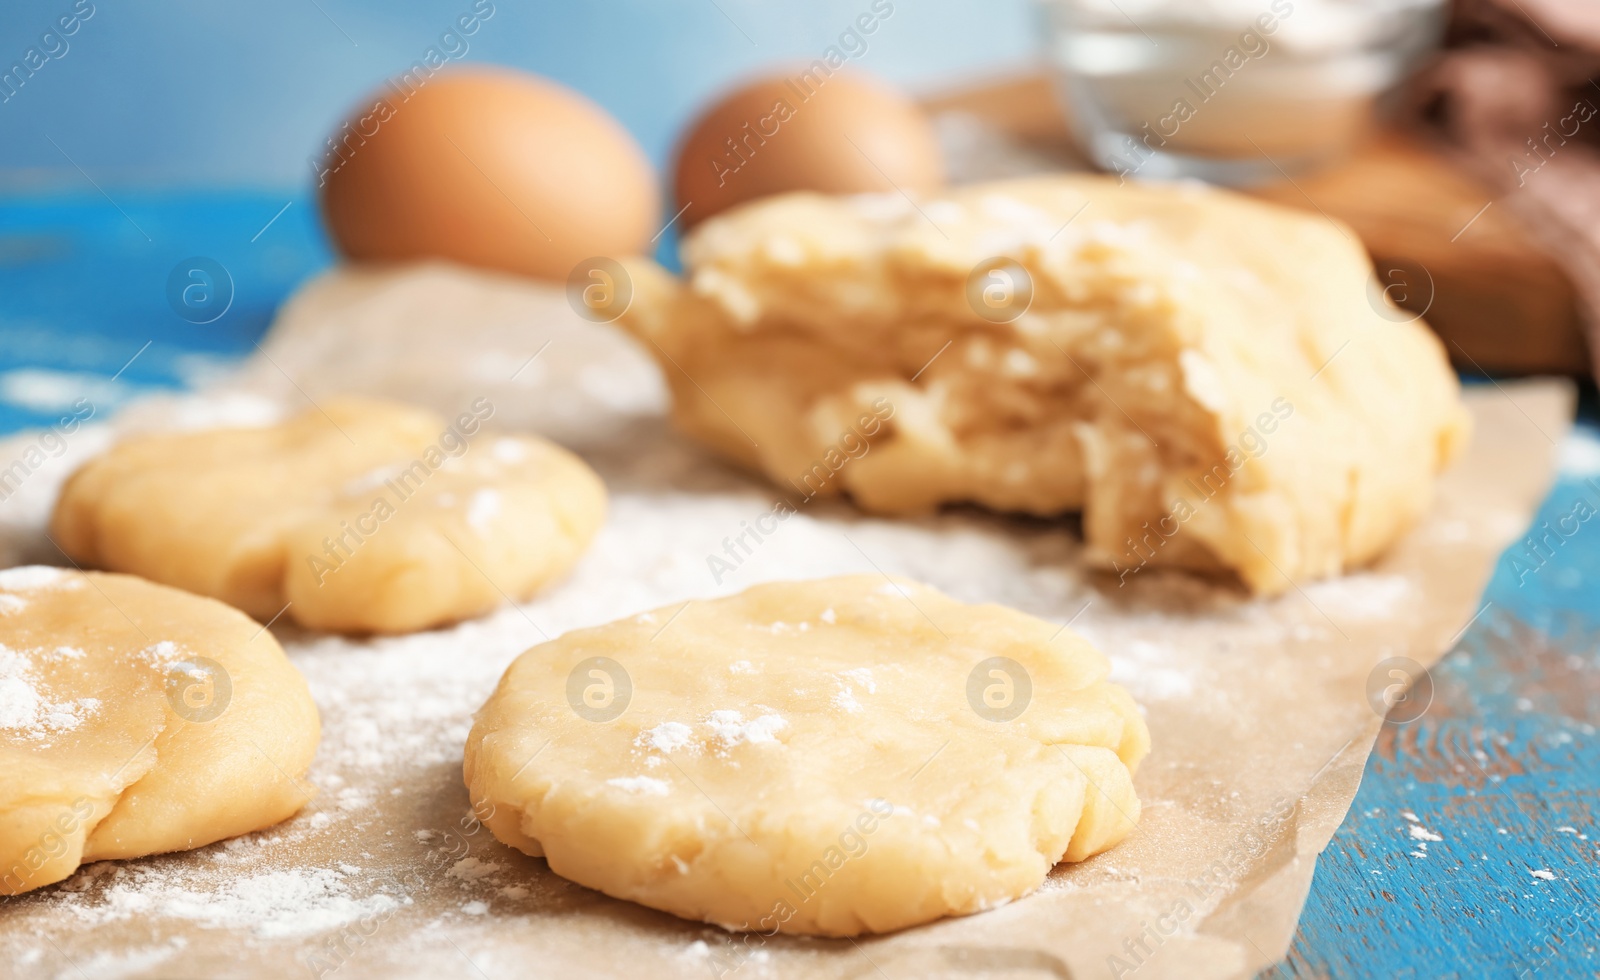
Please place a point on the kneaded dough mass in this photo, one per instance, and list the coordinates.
(831, 757)
(359, 516)
(1217, 383)
(137, 719)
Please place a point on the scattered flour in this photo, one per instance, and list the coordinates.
(669, 736)
(863, 677)
(648, 785)
(371, 480)
(848, 680)
(48, 391)
(19, 703)
(1418, 832)
(1543, 874)
(160, 654)
(472, 869)
(731, 729)
(26, 711)
(270, 904)
(1422, 835)
(1363, 596)
(1149, 672)
(482, 509)
(30, 578)
(508, 451)
(1580, 453)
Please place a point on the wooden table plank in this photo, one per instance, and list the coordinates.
(1503, 769)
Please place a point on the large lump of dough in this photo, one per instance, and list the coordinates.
(1215, 382)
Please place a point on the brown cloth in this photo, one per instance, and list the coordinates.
(1517, 98)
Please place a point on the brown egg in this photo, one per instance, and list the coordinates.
(841, 132)
(488, 167)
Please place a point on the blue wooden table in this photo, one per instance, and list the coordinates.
(1471, 849)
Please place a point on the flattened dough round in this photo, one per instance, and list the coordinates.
(137, 719)
(361, 516)
(806, 757)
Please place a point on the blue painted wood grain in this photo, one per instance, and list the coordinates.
(1503, 769)
(83, 288)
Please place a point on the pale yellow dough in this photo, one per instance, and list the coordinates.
(358, 516)
(804, 757)
(116, 742)
(1217, 383)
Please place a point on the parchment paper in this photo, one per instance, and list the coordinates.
(1258, 709)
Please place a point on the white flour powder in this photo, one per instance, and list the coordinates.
(270, 904)
(28, 712)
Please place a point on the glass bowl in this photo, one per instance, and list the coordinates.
(1229, 91)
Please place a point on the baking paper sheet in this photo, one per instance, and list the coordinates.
(1258, 709)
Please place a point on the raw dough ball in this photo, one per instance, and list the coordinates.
(829, 757)
(359, 516)
(136, 719)
(1212, 380)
